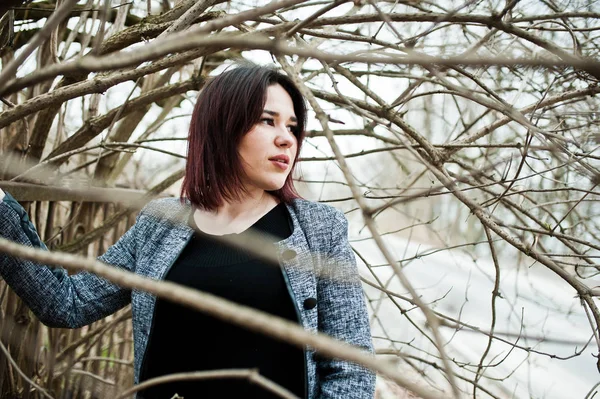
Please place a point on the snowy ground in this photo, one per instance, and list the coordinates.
(535, 304)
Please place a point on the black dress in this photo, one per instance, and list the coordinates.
(183, 340)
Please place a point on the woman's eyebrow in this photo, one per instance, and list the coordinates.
(276, 114)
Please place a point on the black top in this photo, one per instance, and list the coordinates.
(183, 340)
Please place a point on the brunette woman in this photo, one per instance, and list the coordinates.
(244, 139)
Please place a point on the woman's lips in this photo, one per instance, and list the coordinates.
(279, 164)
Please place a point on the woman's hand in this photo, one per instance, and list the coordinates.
(1, 194)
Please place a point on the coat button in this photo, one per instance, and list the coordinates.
(288, 254)
(310, 303)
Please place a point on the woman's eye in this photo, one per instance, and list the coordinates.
(293, 128)
(267, 121)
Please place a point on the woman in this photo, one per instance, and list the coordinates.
(244, 139)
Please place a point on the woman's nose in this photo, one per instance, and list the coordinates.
(284, 138)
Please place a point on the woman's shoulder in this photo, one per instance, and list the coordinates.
(316, 211)
(167, 209)
(319, 221)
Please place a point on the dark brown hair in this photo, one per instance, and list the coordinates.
(227, 108)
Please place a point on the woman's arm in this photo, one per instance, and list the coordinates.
(343, 315)
(57, 299)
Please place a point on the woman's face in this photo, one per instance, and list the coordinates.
(268, 150)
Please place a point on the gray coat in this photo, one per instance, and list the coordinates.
(151, 246)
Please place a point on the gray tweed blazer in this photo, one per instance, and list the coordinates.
(319, 242)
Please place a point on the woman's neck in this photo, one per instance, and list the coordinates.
(235, 217)
(254, 203)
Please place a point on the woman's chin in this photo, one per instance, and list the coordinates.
(273, 186)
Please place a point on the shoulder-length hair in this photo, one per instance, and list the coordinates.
(227, 108)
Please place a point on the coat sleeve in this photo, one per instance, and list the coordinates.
(55, 297)
(343, 315)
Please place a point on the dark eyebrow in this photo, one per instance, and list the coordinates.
(273, 113)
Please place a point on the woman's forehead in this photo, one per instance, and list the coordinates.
(279, 103)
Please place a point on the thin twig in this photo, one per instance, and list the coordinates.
(252, 375)
(18, 370)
